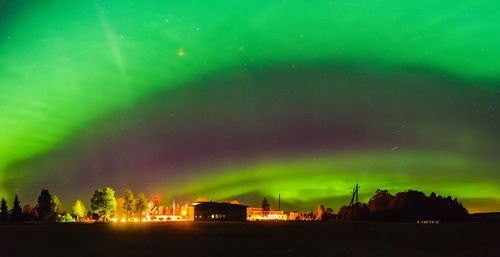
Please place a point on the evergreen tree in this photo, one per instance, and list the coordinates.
(45, 206)
(17, 212)
(4, 212)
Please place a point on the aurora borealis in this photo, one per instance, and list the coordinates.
(246, 99)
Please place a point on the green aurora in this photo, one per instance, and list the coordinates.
(75, 74)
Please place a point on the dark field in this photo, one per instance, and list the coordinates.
(250, 239)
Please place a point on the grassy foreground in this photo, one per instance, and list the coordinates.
(250, 239)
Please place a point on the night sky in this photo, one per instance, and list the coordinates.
(248, 99)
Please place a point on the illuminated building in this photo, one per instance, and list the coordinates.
(259, 214)
(219, 211)
(184, 213)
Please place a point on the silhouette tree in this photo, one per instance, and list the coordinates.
(44, 206)
(358, 211)
(265, 205)
(406, 206)
(140, 204)
(380, 204)
(329, 213)
(103, 203)
(129, 202)
(17, 212)
(4, 212)
(78, 209)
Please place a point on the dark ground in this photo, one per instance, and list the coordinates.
(250, 239)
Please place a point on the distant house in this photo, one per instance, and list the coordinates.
(219, 211)
(428, 221)
(257, 213)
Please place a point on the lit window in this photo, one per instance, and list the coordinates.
(213, 216)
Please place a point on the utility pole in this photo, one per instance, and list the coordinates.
(357, 187)
(354, 196)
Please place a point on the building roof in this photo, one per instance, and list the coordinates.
(217, 204)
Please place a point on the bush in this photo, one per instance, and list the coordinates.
(65, 218)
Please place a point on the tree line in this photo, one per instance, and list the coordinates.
(48, 207)
(103, 206)
(410, 205)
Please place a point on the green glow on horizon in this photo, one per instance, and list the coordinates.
(316, 178)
